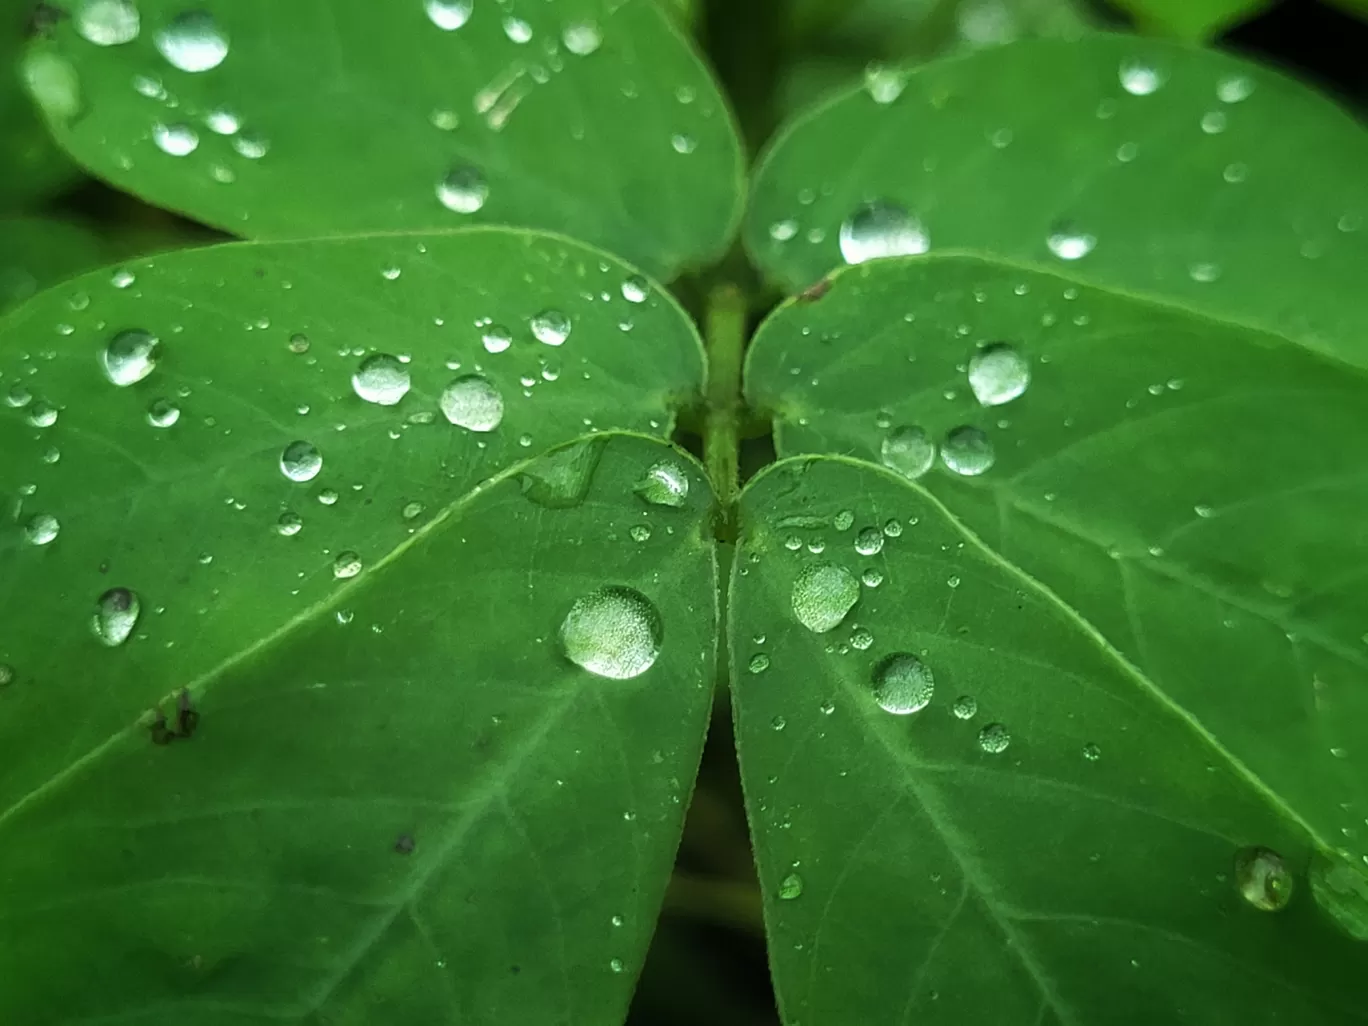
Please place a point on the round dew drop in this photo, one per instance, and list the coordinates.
(552, 327)
(448, 15)
(1139, 78)
(471, 402)
(107, 22)
(175, 140)
(497, 338)
(381, 379)
(612, 632)
(965, 707)
(193, 42)
(902, 684)
(41, 529)
(967, 451)
(464, 190)
(909, 451)
(791, 887)
(129, 357)
(116, 614)
(822, 596)
(635, 289)
(1263, 878)
(881, 229)
(869, 541)
(994, 738)
(1067, 243)
(301, 461)
(582, 38)
(664, 484)
(163, 413)
(998, 373)
(346, 565)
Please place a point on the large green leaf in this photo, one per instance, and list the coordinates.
(592, 117)
(36, 252)
(30, 164)
(1160, 170)
(1051, 839)
(1191, 19)
(373, 649)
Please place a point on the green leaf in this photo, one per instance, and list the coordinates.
(1194, 20)
(1189, 193)
(1051, 839)
(36, 252)
(374, 652)
(351, 117)
(31, 166)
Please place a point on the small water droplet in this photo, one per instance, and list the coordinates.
(998, 373)
(869, 541)
(129, 357)
(965, 707)
(664, 484)
(163, 413)
(616, 965)
(175, 140)
(517, 30)
(1139, 78)
(289, 525)
(1234, 88)
(1263, 879)
(464, 190)
(1235, 173)
(448, 15)
(967, 451)
(299, 344)
(327, 497)
(1204, 272)
(612, 632)
(1092, 752)
(843, 520)
(1341, 889)
(759, 663)
(301, 461)
(1068, 243)
(783, 231)
(994, 738)
(497, 338)
(871, 578)
(861, 639)
(7, 675)
(552, 327)
(881, 229)
(445, 119)
(41, 529)
(193, 42)
(635, 289)
(902, 684)
(251, 146)
(640, 533)
(884, 84)
(381, 379)
(42, 414)
(116, 614)
(909, 451)
(582, 38)
(473, 403)
(822, 596)
(18, 397)
(681, 143)
(346, 565)
(222, 122)
(791, 887)
(107, 22)
(1214, 122)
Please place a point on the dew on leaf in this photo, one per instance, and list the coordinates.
(902, 684)
(301, 461)
(994, 738)
(909, 451)
(222, 122)
(448, 15)
(869, 541)
(381, 379)
(42, 414)
(1068, 243)
(327, 497)
(193, 42)
(163, 413)
(965, 707)
(613, 632)
(253, 147)
(1139, 78)
(552, 327)
(107, 22)
(1234, 88)
(116, 614)
(639, 533)
(176, 140)
(496, 338)
(967, 451)
(7, 675)
(881, 229)
(791, 887)
(884, 84)
(582, 38)
(861, 639)
(1092, 752)
(129, 357)
(463, 190)
(347, 565)
(759, 663)
(517, 30)
(1341, 890)
(822, 596)
(998, 373)
(665, 483)
(289, 524)
(1263, 879)
(473, 403)
(41, 529)
(635, 289)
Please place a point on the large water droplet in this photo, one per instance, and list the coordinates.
(175, 140)
(881, 230)
(1068, 243)
(301, 461)
(902, 684)
(1139, 78)
(968, 451)
(635, 289)
(107, 22)
(129, 357)
(1263, 878)
(1341, 889)
(42, 414)
(869, 541)
(346, 565)
(116, 614)
(822, 596)
(791, 887)
(473, 403)
(909, 451)
(612, 632)
(582, 38)
(551, 327)
(463, 190)
(664, 484)
(998, 373)
(41, 529)
(193, 42)
(994, 738)
(381, 379)
(448, 15)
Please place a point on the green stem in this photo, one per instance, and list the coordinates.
(724, 332)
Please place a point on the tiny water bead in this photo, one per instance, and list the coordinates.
(790, 887)
(41, 529)
(175, 140)
(301, 461)
(822, 596)
(448, 15)
(903, 684)
(473, 403)
(998, 373)
(381, 379)
(965, 707)
(612, 632)
(116, 614)
(1341, 889)
(347, 565)
(552, 327)
(909, 451)
(1068, 243)
(664, 484)
(193, 42)
(163, 413)
(129, 357)
(107, 22)
(1263, 879)
(881, 229)
(1139, 78)
(967, 451)
(869, 541)
(994, 738)
(463, 190)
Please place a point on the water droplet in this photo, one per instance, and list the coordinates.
(994, 738)
(861, 639)
(346, 565)
(783, 231)
(1235, 173)
(289, 525)
(193, 42)
(7, 675)
(129, 357)
(448, 15)
(107, 22)
(497, 338)
(41, 529)
(163, 413)
(871, 578)
(251, 146)
(664, 484)
(822, 596)
(902, 684)
(909, 451)
(551, 327)
(582, 38)
(18, 397)
(176, 140)
(1234, 88)
(463, 190)
(301, 461)
(327, 497)
(116, 614)
(967, 451)
(1204, 272)
(843, 520)
(616, 965)
(445, 119)
(222, 122)
(1341, 889)
(1139, 78)
(473, 403)
(1263, 879)
(965, 707)
(42, 414)
(759, 663)
(635, 289)
(881, 229)
(1213, 122)
(1068, 243)
(869, 541)
(998, 373)
(884, 84)
(612, 632)
(639, 533)
(381, 379)
(791, 887)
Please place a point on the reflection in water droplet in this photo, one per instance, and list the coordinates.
(791, 887)
(346, 565)
(965, 707)
(639, 533)
(463, 190)
(107, 22)
(664, 484)
(497, 338)
(301, 461)
(1139, 78)
(582, 38)
(381, 379)
(884, 84)
(473, 403)
(881, 230)
(289, 524)
(552, 327)
(909, 451)
(994, 738)
(998, 373)
(193, 42)
(902, 684)
(116, 614)
(616, 964)
(861, 639)
(869, 541)
(759, 663)
(448, 15)
(822, 596)
(1213, 122)
(612, 632)
(129, 357)
(1068, 243)
(635, 289)
(1263, 878)
(163, 413)
(1092, 752)
(41, 529)
(175, 140)
(222, 122)
(1234, 88)
(42, 414)
(967, 450)
(1341, 889)
(251, 146)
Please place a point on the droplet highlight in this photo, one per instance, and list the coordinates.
(473, 403)
(822, 596)
(381, 379)
(903, 684)
(998, 373)
(881, 229)
(613, 632)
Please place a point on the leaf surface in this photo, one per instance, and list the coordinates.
(31, 166)
(590, 117)
(36, 252)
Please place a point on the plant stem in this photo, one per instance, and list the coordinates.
(724, 332)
